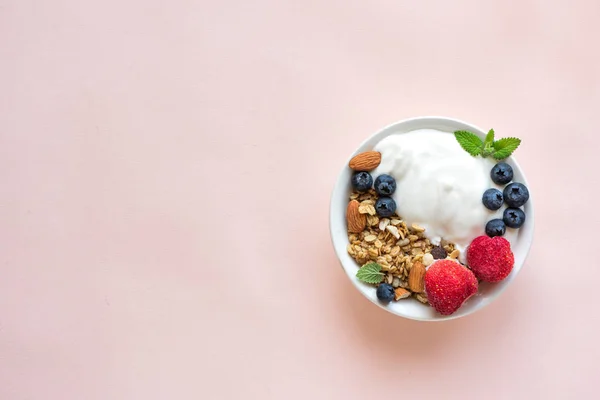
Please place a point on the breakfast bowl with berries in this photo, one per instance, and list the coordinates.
(432, 218)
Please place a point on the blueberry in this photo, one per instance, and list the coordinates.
(514, 217)
(495, 227)
(385, 206)
(492, 199)
(385, 185)
(362, 181)
(385, 292)
(515, 195)
(502, 173)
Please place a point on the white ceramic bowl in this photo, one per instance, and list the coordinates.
(411, 308)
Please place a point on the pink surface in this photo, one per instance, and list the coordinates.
(165, 177)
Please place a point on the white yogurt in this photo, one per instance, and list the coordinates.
(439, 185)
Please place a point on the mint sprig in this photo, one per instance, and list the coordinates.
(499, 149)
(370, 273)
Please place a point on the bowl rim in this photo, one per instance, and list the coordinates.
(333, 208)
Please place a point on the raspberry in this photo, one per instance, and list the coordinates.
(448, 285)
(491, 259)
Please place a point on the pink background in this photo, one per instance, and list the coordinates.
(166, 169)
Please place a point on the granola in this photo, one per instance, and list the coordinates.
(393, 245)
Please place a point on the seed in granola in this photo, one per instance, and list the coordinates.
(427, 259)
(403, 242)
(417, 228)
(369, 195)
(350, 250)
(396, 282)
(438, 253)
(370, 238)
(416, 251)
(389, 279)
(395, 221)
(393, 230)
(383, 223)
(455, 253)
(366, 208)
(413, 238)
(422, 298)
(372, 220)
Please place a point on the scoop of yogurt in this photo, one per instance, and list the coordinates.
(439, 185)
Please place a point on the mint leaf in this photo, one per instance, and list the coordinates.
(505, 147)
(470, 142)
(370, 273)
(489, 138)
(488, 144)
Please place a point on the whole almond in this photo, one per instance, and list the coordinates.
(415, 278)
(400, 293)
(356, 221)
(365, 161)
